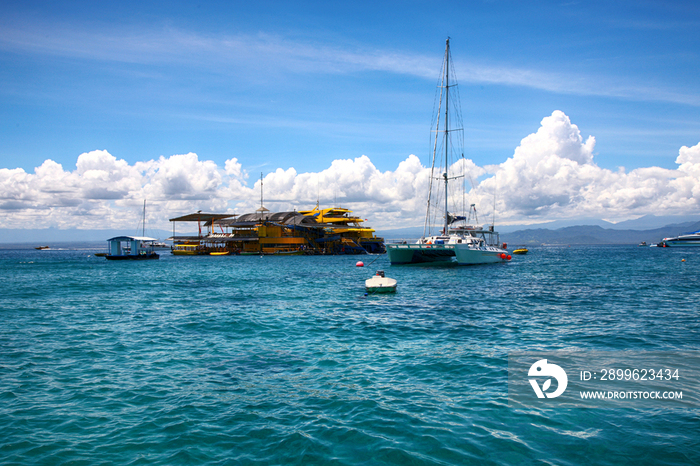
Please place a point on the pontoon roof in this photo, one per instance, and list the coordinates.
(285, 218)
(201, 216)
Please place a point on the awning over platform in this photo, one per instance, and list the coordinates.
(201, 216)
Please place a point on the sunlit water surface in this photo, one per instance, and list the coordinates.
(285, 360)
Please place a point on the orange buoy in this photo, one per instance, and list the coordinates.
(360, 264)
(503, 255)
(509, 257)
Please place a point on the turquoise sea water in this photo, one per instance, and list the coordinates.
(284, 360)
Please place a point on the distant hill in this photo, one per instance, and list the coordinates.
(647, 222)
(591, 234)
(49, 235)
(600, 232)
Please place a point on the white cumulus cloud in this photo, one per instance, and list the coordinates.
(551, 175)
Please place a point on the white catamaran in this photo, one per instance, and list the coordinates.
(459, 241)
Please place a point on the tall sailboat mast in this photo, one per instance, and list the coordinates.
(447, 112)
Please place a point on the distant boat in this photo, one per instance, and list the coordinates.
(689, 239)
(380, 283)
(42, 248)
(293, 252)
(187, 250)
(520, 250)
(643, 244)
(296, 252)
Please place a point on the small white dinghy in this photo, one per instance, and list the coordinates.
(379, 283)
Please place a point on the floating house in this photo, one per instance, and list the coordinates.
(328, 231)
(131, 248)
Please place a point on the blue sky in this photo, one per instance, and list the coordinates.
(280, 85)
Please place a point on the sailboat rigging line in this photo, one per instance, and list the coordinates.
(464, 190)
(443, 136)
(143, 221)
(432, 164)
(495, 190)
(447, 125)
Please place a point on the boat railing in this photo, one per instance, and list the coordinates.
(422, 246)
(401, 241)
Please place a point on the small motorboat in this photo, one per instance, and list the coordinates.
(42, 248)
(643, 244)
(380, 283)
(520, 250)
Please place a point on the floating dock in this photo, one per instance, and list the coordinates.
(318, 231)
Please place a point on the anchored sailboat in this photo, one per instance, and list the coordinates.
(458, 240)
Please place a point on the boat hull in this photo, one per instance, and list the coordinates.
(379, 284)
(381, 289)
(479, 255)
(419, 253)
(677, 243)
(462, 254)
(687, 240)
(135, 257)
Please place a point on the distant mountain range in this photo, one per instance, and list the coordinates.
(49, 235)
(593, 234)
(647, 222)
(582, 231)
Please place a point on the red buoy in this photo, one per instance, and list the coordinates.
(503, 255)
(509, 257)
(360, 264)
